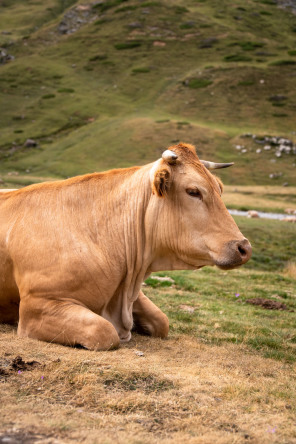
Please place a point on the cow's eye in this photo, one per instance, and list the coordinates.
(194, 192)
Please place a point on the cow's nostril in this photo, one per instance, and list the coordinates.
(242, 250)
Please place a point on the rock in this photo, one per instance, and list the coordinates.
(158, 43)
(139, 353)
(187, 308)
(30, 143)
(290, 211)
(253, 214)
(163, 279)
(277, 98)
(267, 147)
(76, 17)
(285, 184)
(290, 219)
(5, 57)
(208, 42)
(83, 8)
(135, 25)
(258, 150)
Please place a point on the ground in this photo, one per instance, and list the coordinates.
(177, 390)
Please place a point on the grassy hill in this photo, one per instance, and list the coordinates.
(112, 83)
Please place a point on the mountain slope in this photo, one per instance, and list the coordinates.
(112, 83)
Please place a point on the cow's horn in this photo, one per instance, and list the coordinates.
(214, 165)
(169, 156)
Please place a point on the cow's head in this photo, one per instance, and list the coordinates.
(191, 224)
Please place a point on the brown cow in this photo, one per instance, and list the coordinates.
(74, 253)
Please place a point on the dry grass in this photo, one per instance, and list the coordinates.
(179, 391)
(263, 198)
(290, 270)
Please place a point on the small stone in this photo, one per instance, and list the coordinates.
(290, 219)
(187, 308)
(163, 279)
(30, 143)
(158, 43)
(139, 353)
(258, 150)
(253, 214)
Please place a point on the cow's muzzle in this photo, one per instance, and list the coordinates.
(234, 254)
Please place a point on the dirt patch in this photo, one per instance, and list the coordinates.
(17, 364)
(24, 437)
(144, 382)
(268, 304)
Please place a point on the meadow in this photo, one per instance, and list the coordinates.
(87, 86)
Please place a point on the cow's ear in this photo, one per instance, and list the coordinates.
(162, 181)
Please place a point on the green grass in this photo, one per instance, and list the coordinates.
(107, 84)
(198, 83)
(221, 312)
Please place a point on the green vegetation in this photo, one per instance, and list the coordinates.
(237, 58)
(98, 89)
(198, 83)
(220, 312)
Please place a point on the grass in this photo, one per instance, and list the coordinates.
(122, 96)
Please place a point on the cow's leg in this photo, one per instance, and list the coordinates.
(66, 323)
(149, 319)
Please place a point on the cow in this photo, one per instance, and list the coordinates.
(74, 253)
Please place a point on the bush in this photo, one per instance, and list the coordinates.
(66, 90)
(127, 45)
(198, 83)
(237, 58)
(140, 70)
(48, 96)
(283, 62)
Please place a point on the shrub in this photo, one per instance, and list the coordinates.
(237, 58)
(140, 70)
(97, 57)
(127, 45)
(283, 62)
(48, 96)
(66, 90)
(198, 83)
(246, 83)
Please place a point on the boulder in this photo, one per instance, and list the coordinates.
(253, 214)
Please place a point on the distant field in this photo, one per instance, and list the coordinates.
(264, 198)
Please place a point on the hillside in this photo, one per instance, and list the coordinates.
(112, 83)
